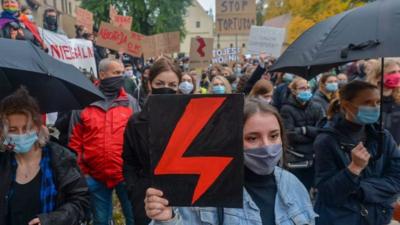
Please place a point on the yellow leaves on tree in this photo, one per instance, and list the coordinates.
(306, 13)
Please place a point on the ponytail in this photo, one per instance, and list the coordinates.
(334, 107)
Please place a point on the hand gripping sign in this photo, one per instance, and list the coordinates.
(196, 149)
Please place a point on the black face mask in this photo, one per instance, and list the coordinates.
(163, 91)
(51, 21)
(111, 86)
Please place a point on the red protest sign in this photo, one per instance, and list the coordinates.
(84, 18)
(120, 40)
(124, 22)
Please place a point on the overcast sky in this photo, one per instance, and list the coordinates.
(207, 4)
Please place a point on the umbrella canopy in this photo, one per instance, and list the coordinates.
(371, 31)
(56, 85)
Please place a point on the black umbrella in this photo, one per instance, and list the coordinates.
(56, 85)
(371, 31)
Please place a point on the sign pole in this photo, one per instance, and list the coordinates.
(236, 40)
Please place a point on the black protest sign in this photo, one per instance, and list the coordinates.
(196, 149)
(235, 16)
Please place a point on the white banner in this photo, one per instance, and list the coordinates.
(265, 39)
(226, 55)
(78, 52)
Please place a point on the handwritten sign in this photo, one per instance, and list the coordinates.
(120, 40)
(201, 52)
(235, 16)
(84, 18)
(266, 39)
(124, 22)
(226, 55)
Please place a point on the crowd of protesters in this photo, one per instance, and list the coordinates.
(310, 147)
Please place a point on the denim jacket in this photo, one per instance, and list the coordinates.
(292, 207)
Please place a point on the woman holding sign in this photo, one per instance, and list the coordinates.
(271, 196)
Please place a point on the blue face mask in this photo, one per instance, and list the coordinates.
(30, 18)
(288, 77)
(263, 160)
(367, 115)
(22, 143)
(218, 89)
(332, 87)
(304, 96)
(186, 87)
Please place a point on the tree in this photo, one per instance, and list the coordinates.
(306, 13)
(149, 16)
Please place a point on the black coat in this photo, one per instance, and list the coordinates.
(301, 124)
(73, 193)
(341, 193)
(136, 167)
(321, 99)
(391, 117)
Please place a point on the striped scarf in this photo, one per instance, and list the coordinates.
(48, 191)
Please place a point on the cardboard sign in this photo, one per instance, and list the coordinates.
(68, 25)
(84, 18)
(226, 55)
(124, 22)
(201, 52)
(164, 43)
(266, 40)
(196, 149)
(235, 16)
(78, 52)
(120, 40)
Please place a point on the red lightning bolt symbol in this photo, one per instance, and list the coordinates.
(202, 45)
(196, 115)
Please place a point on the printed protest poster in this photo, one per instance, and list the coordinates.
(78, 52)
(201, 52)
(235, 16)
(120, 40)
(196, 149)
(265, 39)
(124, 22)
(84, 18)
(226, 55)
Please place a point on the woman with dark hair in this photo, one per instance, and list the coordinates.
(40, 180)
(301, 116)
(263, 89)
(164, 78)
(271, 195)
(327, 90)
(355, 187)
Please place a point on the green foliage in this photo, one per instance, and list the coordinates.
(149, 16)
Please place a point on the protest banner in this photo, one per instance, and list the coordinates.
(201, 52)
(266, 40)
(124, 22)
(205, 168)
(120, 40)
(235, 17)
(226, 55)
(84, 18)
(164, 43)
(78, 52)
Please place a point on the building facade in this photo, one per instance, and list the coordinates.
(197, 23)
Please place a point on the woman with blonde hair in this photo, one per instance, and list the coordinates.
(301, 116)
(391, 93)
(220, 85)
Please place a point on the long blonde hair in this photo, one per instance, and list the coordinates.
(228, 87)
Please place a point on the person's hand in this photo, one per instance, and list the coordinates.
(35, 221)
(157, 207)
(263, 57)
(359, 159)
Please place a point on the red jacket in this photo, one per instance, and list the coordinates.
(97, 136)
